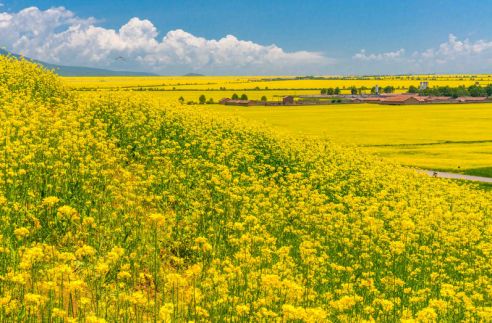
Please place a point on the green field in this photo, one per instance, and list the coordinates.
(455, 138)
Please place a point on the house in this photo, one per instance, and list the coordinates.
(288, 100)
(224, 100)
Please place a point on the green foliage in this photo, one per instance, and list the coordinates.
(202, 99)
(389, 89)
(455, 92)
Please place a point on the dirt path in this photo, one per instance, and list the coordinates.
(457, 176)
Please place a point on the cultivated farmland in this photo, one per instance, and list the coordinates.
(125, 206)
(446, 137)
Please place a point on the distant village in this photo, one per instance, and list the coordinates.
(422, 95)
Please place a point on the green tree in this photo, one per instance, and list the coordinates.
(353, 90)
(235, 97)
(244, 97)
(389, 89)
(202, 99)
(337, 91)
(477, 90)
(413, 89)
(323, 91)
(330, 91)
(460, 91)
(264, 99)
(181, 100)
(488, 90)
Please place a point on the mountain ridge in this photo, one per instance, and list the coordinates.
(66, 70)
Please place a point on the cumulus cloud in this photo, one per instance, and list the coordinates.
(455, 48)
(364, 56)
(57, 35)
(453, 55)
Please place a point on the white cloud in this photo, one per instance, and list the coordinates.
(453, 55)
(455, 48)
(364, 56)
(57, 35)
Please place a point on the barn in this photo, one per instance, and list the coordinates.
(402, 99)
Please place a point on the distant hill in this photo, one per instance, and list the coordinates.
(193, 74)
(80, 70)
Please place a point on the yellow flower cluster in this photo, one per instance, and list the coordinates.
(122, 210)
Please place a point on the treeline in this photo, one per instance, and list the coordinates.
(455, 92)
(358, 90)
(203, 99)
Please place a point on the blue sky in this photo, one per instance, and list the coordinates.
(330, 37)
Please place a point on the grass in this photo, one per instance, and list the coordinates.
(484, 171)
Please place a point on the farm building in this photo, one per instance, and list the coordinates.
(472, 99)
(242, 103)
(370, 99)
(438, 99)
(402, 99)
(288, 100)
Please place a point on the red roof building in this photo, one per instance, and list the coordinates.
(403, 99)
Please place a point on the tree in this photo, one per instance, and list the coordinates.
(389, 89)
(413, 89)
(264, 99)
(235, 97)
(181, 100)
(337, 90)
(330, 91)
(210, 101)
(202, 99)
(244, 97)
(477, 90)
(323, 91)
(461, 91)
(488, 90)
(353, 90)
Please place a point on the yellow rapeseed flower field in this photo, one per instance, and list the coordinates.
(235, 83)
(452, 137)
(449, 137)
(116, 207)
